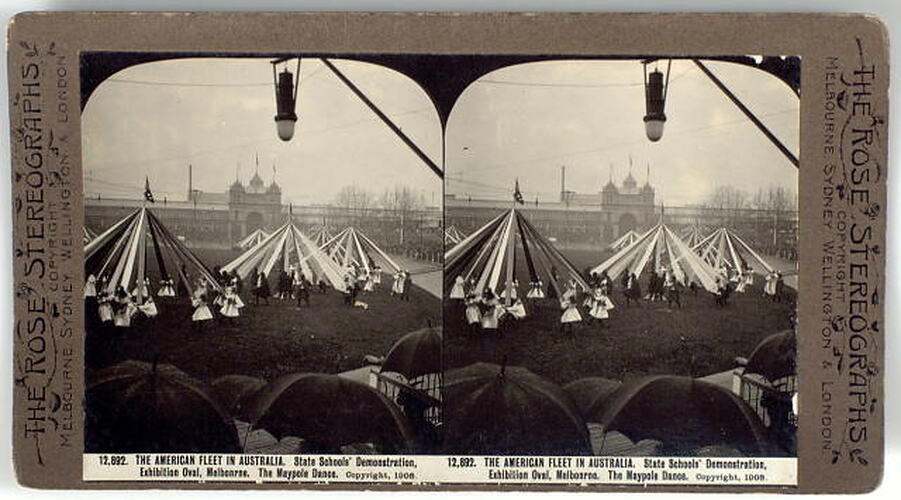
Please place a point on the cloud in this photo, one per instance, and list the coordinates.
(217, 114)
(527, 121)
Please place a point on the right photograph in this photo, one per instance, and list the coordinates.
(621, 255)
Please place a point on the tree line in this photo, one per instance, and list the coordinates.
(772, 198)
(399, 199)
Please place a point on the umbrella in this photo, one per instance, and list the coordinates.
(329, 411)
(233, 391)
(416, 353)
(685, 414)
(774, 356)
(494, 410)
(138, 407)
(587, 393)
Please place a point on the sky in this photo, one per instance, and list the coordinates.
(521, 122)
(217, 115)
(527, 121)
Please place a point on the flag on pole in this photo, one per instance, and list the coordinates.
(517, 194)
(148, 195)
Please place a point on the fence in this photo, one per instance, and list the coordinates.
(429, 385)
(772, 402)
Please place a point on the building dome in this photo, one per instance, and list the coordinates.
(647, 188)
(274, 188)
(630, 185)
(610, 187)
(236, 187)
(256, 184)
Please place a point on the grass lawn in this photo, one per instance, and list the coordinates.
(635, 341)
(267, 340)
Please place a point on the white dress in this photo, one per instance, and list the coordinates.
(491, 316)
(602, 304)
(148, 308)
(201, 310)
(571, 312)
(166, 289)
(123, 317)
(473, 315)
(229, 307)
(537, 292)
(105, 310)
(517, 310)
(90, 287)
(457, 291)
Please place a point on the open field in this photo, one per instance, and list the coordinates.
(267, 340)
(636, 340)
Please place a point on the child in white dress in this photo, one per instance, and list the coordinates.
(201, 309)
(229, 301)
(492, 313)
(601, 305)
(105, 307)
(458, 291)
(166, 288)
(90, 286)
(571, 314)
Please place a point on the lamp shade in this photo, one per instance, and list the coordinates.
(653, 126)
(285, 128)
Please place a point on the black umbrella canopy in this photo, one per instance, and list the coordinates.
(686, 415)
(416, 353)
(774, 357)
(329, 412)
(233, 391)
(138, 407)
(590, 392)
(494, 410)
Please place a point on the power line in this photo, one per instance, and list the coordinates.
(185, 84)
(573, 85)
(206, 84)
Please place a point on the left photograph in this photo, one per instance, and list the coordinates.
(263, 246)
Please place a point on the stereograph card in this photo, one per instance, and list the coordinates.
(581, 252)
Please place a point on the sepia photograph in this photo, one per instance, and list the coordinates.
(448, 251)
(262, 256)
(621, 258)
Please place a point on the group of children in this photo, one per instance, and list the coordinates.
(401, 286)
(357, 279)
(662, 285)
(117, 306)
(292, 284)
(487, 311)
(735, 280)
(597, 302)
